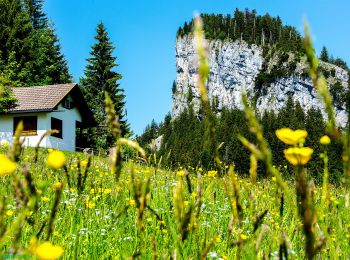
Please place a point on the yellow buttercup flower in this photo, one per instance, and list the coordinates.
(56, 160)
(290, 136)
(47, 251)
(9, 213)
(58, 185)
(91, 204)
(107, 191)
(180, 173)
(243, 236)
(325, 140)
(6, 165)
(132, 202)
(212, 173)
(298, 155)
(45, 199)
(83, 163)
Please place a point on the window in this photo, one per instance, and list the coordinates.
(67, 104)
(30, 124)
(56, 124)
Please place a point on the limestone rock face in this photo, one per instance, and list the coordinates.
(233, 68)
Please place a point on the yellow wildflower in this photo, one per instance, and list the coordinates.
(47, 251)
(219, 239)
(291, 137)
(180, 173)
(56, 160)
(132, 202)
(45, 199)
(212, 173)
(83, 163)
(91, 204)
(96, 198)
(298, 155)
(243, 237)
(9, 213)
(58, 185)
(193, 195)
(6, 165)
(107, 191)
(325, 140)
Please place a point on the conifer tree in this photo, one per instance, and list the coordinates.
(36, 14)
(100, 77)
(30, 53)
(48, 65)
(324, 54)
(15, 34)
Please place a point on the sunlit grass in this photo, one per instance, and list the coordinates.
(103, 220)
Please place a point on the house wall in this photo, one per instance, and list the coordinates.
(6, 129)
(68, 116)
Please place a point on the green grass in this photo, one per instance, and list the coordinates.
(110, 229)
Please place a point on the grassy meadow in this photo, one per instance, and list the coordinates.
(103, 220)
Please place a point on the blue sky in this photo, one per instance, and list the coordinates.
(144, 34)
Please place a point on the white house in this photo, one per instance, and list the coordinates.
(61, 107)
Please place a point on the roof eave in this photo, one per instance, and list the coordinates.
(27, 111)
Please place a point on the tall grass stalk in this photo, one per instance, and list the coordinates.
(203, 74)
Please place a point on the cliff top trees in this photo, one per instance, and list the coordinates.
(263, 30)
(100, 77)
(324, 54)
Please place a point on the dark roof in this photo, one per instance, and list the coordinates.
(47, 98)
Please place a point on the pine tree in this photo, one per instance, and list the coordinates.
(29, 48)
(49, 65)
(15, 36)
(324, 54)
(100, 77)
(36, 14)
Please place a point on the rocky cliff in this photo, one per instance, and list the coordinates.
(234, 66)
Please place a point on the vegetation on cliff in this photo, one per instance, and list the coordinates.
(282, 45)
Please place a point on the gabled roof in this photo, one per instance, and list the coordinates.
(40, 98)
(47, 98)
